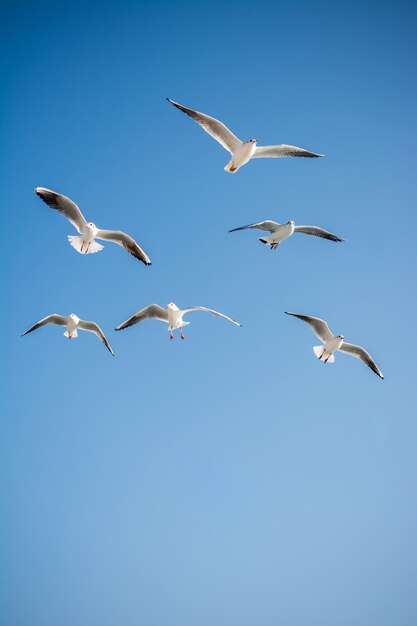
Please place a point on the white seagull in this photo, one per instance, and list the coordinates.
(333, 343)
(279, 232)
(172, 315)
(241, 151)
(73, 323)
(86, 244)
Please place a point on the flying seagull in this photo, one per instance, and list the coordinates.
(279, 232)
(86, 244)
(73, 323)
(241, 151)
(333, 343)
(172, 315)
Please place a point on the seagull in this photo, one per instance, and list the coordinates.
(86, 244)
(73, 323)
(241, 151)
(279, 232)
(172, 315)
(333, 343)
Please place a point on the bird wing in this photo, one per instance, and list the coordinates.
(203, 308)
(212, 126)
(318, 232)
(266, 225)
(64, 205)
(319, 326)
(92, 327)
(282, 150)
(362, 354)
(151, 311)
(59, 320)
(129, 244)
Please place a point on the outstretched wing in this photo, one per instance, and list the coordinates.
(362, 354)
(317, 232)
(318, 326)
(266, 225)
(59, 320)
(212, 126)
(92, 327)
(64, 205)
(203, 308)
(282, 150)
(151, 311)
(129, 244)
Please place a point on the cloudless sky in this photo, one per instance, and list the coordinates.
(230, 478)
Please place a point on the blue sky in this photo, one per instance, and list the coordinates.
(230, 478)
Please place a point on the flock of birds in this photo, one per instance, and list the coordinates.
(241, 153)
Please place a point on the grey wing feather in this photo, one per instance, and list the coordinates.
(213, 127)
(64, 205)
(92, 327)
(362, 354)
(317, 232)
(56, 319)
(318, 325)
(266, 225)
(282, 150)
(129, 244)
(148, 312)
(203, 308)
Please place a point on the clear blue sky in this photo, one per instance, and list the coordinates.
(230, 478)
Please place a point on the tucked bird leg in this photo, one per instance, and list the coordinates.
(171, 336)
(181, 335)
(88, 247)
(274, 246)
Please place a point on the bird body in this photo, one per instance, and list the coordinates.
(278, 235)
(280, 232)
(333, 343)
(85, 243)
(175, 317)
(72, 323)
(326, 352)
(241, 155)
(242, 151)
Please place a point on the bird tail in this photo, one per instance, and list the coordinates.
(230, 167)
(74, 334)
(84, 247)
(319, 352)
(183, 324)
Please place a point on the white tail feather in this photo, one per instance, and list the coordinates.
(175, 327)
(72, 336)
(84, 247)
(321, 354)
(318, 351)
(230, 167)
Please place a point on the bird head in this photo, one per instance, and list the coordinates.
(172, 306)
(340, 336)
(74, 317)
(91, 225)
(291, 222)
(252, 141)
